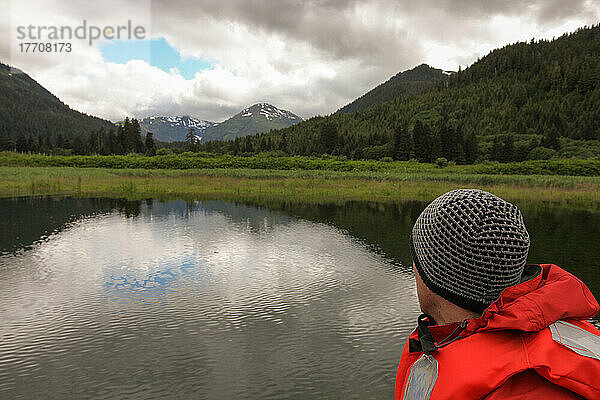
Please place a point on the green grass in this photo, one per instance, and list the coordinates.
(567, 183)
(307, 186)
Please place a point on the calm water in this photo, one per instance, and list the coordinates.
(115, 299)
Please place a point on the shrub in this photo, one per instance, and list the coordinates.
(541, 153)
(377, 152)
(173, 161)
(164, 151)
(441, 162)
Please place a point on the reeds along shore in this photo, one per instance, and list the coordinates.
(308, 186)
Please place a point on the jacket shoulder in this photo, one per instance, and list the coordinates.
(529, 385)
(567, 354)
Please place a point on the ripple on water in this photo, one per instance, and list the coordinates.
(214, 302)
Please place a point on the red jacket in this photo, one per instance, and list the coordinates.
(512, 351)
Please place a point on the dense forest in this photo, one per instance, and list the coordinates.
(533, 100)
(124, 140)
(29, 109)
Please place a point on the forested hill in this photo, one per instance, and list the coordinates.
(526, 100)
(413, 81)
(26, 107)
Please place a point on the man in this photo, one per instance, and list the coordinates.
(494, 327)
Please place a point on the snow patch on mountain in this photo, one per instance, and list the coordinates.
(183, 122)
(268, 111)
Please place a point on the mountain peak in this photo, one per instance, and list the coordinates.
(258, 118)
(412, 81)
(269, 112)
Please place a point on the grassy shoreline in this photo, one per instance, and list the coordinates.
(308, 186)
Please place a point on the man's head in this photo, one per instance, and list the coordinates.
(468, 246)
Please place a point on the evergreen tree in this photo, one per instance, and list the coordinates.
(422, 142)
(31, 144)
(587, 131)
(40, 144)
(329, 137)
(190, 140)
(131, 139)
(283, 143)
(21, 145)
(150, 145)
(496, 151)
(533, 143)
(5, 143)
(136, 133)
(121, 142)
(458, 149)
(550, 139)
(396, 142)
(404, 147)
(235, 146)
(60, 141)
(93, 141)
(78, 146)
(447, 141)
(508, 149)
(471, 148)
(111, 143)
(48, 144)
(436, 146)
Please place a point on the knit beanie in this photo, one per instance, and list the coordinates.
(468, 246)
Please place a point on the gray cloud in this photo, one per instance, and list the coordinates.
(316, 56)
(330, 26)
(333, 27)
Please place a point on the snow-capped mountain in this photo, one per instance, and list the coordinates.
(174, 129)
(258, 118)
(261, 117)
(269, 112)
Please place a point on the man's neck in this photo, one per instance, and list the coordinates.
(448, 313)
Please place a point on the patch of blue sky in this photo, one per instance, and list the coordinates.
(156, 52)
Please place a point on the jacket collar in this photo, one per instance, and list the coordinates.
(546, 294)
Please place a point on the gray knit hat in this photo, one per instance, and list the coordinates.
(468, 246)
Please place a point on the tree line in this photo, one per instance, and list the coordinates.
(125, 139)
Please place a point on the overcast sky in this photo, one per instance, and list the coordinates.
(212, 58)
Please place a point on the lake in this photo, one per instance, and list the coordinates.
(106, 299)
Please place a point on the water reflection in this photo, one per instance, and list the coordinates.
(27, 220)
(209, 300)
